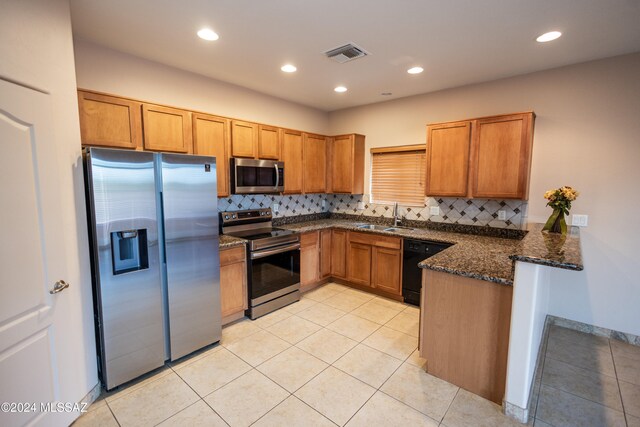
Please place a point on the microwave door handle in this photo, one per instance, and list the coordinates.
(275, 165)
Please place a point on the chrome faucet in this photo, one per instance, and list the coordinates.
(396, 220)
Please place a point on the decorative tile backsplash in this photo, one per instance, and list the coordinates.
(288, 205)
(481, 212)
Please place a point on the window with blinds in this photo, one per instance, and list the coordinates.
(398, 175)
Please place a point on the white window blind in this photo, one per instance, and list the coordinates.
(398, 175)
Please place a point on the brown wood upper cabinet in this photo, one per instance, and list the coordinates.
(489, 157)
(448, 159)
(211, 138)
(501, 156)
(291, 153)
(314, 160)
(347, 164)
(109, 121)
(167, 129)
(244, 139)
(268, 142)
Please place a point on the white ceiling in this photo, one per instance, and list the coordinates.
(458, 42)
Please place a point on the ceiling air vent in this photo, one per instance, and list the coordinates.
(346, 53)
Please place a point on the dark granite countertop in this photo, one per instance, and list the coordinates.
(229, 242)
(477, 256)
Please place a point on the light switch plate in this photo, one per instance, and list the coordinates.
(434, 210)
(580, 220)
(360, 206)
(502, 215)
(275, 208)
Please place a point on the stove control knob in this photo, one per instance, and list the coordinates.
(226, 217)
(262, 213)
(233, 216)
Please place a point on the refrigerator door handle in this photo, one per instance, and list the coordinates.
(164, 234)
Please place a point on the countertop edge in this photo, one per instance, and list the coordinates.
(546, 262)
(518, 254)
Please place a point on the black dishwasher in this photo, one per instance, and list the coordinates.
(414, 252)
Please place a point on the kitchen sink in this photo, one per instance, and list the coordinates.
(382, 227)
(398, 228)
(372, 227)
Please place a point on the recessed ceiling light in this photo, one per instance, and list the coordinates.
(340, 89)
(288, 68)
(415, 70)
(547, 37)
(208, 34)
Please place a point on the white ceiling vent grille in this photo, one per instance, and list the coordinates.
(346, 53)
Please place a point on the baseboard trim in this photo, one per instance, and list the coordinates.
(595, 330)
(93, 395)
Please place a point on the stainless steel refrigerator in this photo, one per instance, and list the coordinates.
(153, 228)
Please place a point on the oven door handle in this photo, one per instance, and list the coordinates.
(278, 250)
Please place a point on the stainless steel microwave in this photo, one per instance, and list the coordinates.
(249, 176)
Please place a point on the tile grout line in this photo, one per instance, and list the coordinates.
(544, 360)
(615, 371)
(199, 398)
(449, 406)
(297, 398)
(113, 413)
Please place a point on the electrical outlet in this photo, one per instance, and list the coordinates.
(324, 204)
(502, 215)
(434, 210)
(275, 208)
(360, 206)
(580, 220)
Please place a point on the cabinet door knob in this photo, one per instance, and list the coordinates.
(60, 286)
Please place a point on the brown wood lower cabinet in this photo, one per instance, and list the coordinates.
(465, 332)
(233, 283)
(309, 259)
(339, 253)
(386, 266)
(359, 264)
(325, 254)
(375, 261)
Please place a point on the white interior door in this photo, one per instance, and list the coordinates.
(31, 259)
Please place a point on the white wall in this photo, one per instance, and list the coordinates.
(106, 70)
(37, 51)
(587, 136)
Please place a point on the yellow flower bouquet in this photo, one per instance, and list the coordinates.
(560, 200)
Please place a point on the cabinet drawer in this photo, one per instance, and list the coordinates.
(375, 240)
(309, 239)
(229, 256)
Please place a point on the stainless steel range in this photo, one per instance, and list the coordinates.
(273, 259)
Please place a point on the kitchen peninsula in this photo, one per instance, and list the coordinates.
(483, 303)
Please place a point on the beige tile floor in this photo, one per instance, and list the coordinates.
(587, 380)
(344, 357)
